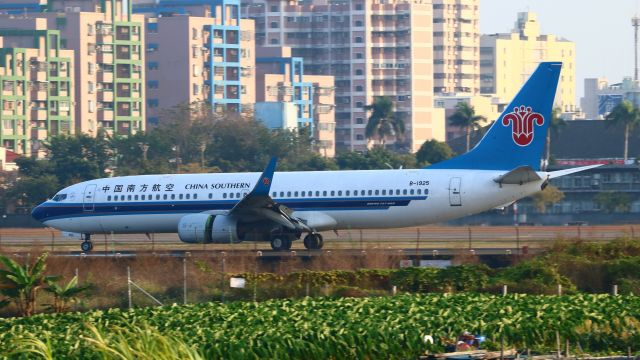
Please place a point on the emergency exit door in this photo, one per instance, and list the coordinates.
(455, 199)
(89, 197)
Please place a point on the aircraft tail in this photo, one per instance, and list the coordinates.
(517, 137)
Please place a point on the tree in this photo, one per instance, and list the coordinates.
(465, 117)
(64, 295)
(20, 283)
(30, 191)
(549, 196)
(383, 122)
(433, 151)
(555, 126)
(613, 201)
(79, 157)
(626, 115)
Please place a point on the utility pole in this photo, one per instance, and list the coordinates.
(635, 22)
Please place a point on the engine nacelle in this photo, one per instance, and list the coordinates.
(207, 228)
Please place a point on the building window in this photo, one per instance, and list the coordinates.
(359, 137)
(152, 103)
(358, 39)
(274, 25)
(274, 41)
(359, 56)
(152, 84)
(274, 8)
(152, 65)
(359, 88)
(359, 120)
(359, 23)
(359, 7)
(359, 72)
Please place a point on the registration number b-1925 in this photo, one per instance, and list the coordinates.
(419, 183)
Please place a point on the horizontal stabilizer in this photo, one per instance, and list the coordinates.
(520, 175)
(555, 174)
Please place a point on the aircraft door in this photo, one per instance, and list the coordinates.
(89, 197)
(455, 199)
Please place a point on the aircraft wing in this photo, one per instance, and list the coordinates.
(258, 203)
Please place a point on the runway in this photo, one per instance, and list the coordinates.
(420, 240)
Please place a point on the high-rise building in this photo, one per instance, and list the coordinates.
(600, 97)
(456, 47)
(198, 51)
(507, 60)
(373, 48)
(280, 79)
(108, 44)
(36, 76)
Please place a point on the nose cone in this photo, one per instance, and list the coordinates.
(38, 213)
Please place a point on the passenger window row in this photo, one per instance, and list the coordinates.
(384, 192)
(150, 197)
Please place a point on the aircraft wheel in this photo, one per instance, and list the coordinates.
(313, 241)
(277, 243)
(86, 246)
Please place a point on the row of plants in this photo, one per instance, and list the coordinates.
(578, 267)
(322, 328)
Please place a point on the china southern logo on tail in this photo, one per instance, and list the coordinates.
(522, 120)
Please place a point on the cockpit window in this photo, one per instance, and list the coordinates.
(59, 197)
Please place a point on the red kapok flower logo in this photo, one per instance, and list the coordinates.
(522, 122)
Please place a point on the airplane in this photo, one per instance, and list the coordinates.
(280, 207)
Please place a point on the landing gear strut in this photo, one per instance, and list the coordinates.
(86, 245)
(313, 241)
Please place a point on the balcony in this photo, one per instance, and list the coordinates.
(104, 57)
(105, 77)
(38, 114)
(39, 95)
(105, 114)
(106, 96)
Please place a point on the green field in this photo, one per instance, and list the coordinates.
(322, 328)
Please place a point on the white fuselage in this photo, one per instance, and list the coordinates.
(326, 200)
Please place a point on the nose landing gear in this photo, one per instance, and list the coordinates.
(86, 245)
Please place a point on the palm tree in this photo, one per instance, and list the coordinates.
(624, 114)
(466, 118)
(65, 295)
(21, 283)
(555, 126)
(383, 121)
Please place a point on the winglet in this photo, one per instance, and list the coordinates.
(263, 185)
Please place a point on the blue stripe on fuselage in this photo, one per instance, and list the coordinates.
(52, 211)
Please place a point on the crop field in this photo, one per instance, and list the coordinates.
(323, 328)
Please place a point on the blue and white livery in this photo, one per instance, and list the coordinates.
(281, 207)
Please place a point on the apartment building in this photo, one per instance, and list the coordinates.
(108, 44)
(508, 59)
(372, 48)
(600, 97)
(456, 47)
(36, 76)
(280, 80)
(198, 51)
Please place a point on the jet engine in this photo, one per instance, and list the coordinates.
(207, 228)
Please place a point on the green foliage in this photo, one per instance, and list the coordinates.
(383, 122)
(433, 151)
(627, 116)
(20, 283)
(613, 201)
(533, 277)
(78, 158)
(64, 295)
(376, 158)
(322, 328)
(465, 117)
(549, 196)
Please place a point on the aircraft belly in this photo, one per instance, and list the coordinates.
(152, 223)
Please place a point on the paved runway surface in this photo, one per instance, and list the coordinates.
(422, 239)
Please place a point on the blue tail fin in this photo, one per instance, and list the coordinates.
(517, 138)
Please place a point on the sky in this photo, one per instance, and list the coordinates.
(601, 30)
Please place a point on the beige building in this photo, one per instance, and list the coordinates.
(36, 75)
(484, 105)
(507, 60)
(280, 78)
(203, 53)
(372, 48)
(456, 47)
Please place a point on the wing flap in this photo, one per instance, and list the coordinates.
(558, 173)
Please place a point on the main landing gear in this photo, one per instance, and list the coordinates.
(313, 241)
(281, 242)
(86, 245)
